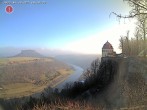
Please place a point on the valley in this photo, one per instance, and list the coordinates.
(23, 76)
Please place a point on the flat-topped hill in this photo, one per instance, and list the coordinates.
(29, 53)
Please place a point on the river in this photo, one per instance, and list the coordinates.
(78, 71)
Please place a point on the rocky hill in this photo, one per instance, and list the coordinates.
(118, 83)
(128, 85)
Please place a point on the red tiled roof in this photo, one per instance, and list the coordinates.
(107, 45)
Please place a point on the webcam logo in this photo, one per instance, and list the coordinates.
(9, 9)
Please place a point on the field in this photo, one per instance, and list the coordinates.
(23, 76)
(6, 61)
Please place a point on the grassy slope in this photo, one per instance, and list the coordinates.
(17, 89)
(5, 61)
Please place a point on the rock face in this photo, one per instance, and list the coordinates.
(29, 53)
(128, 86)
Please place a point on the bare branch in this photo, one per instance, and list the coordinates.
(138, 4)
(128, 16)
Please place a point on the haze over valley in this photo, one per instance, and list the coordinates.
(73, 55)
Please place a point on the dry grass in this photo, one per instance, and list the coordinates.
(4, 61)
(67, 105)
(19, 89)
(65, 71)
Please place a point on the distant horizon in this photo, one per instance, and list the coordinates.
(10, 52)
(75, 26)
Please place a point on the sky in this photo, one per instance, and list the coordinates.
(81, 26)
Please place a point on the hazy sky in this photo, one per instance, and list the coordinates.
(75, 25)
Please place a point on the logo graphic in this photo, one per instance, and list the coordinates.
(9, 9)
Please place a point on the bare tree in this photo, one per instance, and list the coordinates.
(142, 20)
(138, 11)
(137, 40)
(121, 46)
(139, 7)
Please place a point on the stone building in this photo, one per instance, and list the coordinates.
(107, 50)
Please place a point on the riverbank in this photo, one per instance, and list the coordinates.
(78, 71)
(61, 81)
